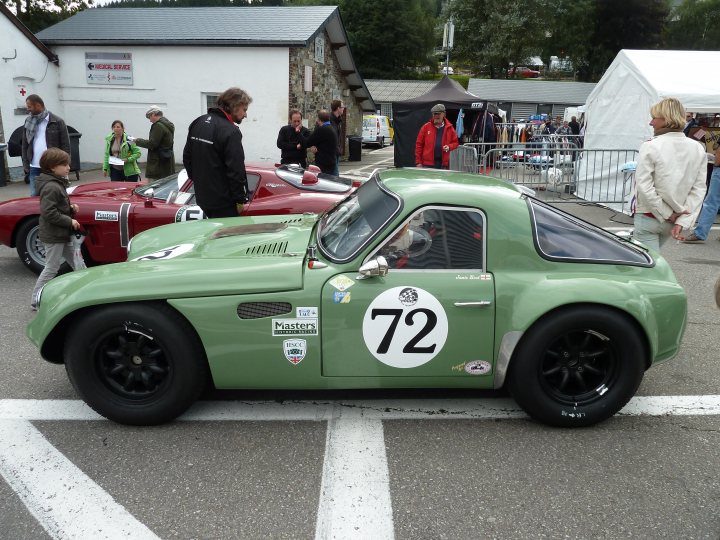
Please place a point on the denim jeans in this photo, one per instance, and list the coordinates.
(32, 175)
(710, 206)
(651, 232)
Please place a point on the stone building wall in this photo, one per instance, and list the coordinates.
(328, 84)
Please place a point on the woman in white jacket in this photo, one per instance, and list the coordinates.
(670, 178)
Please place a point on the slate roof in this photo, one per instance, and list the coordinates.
(565, 92)
(285, 26)
(387, 91)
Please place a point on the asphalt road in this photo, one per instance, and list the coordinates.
(384, 464)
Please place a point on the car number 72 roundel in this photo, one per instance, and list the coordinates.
(405, 327)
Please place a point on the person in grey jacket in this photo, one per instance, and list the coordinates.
(56, 217)
(43, 130)
(160, 156)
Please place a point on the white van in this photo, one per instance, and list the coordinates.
(376, 130)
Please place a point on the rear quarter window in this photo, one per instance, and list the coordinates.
(562, 236)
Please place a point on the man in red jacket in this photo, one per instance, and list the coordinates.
(435, 141)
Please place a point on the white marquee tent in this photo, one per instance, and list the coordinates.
(617, 113)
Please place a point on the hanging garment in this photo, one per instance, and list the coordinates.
(459, 124)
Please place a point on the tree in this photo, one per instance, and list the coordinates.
(693, 26)
(492, 35)
(39, 14)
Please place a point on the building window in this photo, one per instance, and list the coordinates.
(210, 100)
(320, 49)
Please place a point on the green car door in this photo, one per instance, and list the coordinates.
(432, 315)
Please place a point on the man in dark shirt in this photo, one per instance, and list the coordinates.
(323, 143)
(337, 108)
(574, 126)
(214, 157)
(292, 140)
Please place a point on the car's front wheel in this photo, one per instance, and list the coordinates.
(137, 364)
(578, 367)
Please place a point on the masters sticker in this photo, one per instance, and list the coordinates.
(405, 327)
(105, 215)
(342, 283)
(294, 327)
(295, 350)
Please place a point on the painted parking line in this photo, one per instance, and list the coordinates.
(355, 496)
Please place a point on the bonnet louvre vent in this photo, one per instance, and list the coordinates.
(294, 220)
(258, 310)
(275, 248)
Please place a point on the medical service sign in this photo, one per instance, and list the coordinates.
(108, 68)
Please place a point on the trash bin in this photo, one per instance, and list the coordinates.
(3, 147)
(354, 148)
(74, 150)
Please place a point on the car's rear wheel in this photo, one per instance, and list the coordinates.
(30, 248)
(578, 367)
(137, 364)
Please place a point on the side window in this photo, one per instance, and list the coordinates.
(437, 239)
(253, 181)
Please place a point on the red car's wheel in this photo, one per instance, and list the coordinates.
(30, 249)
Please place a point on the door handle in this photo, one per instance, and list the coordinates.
(482, 303)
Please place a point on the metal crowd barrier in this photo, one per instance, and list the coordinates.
(564, 172)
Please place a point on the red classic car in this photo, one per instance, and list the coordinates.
(113, 212)
(524, 72)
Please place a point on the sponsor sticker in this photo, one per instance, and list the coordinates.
(477, 367)
(306, 312)
(294, 327)
(341, 297)
(167, 253)
(342, 283)
(405, 327)
(106, 215)
(295, 350)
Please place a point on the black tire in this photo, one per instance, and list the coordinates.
(137, 364)
(30, 249)
(578, 367)
(382, 142)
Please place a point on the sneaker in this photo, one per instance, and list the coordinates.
(693, 239)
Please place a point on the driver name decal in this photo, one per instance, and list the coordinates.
(405, 327)
(106, 215)
(294, 327)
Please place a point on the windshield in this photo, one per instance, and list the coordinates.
(163, 187)
(345, 229)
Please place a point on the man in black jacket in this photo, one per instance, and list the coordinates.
(214, 157)
(292, 140)
(323, 143)
(43, 130)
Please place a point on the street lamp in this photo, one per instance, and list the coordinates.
(448, 40)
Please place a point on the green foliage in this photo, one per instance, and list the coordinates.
(694, 26)
(39, 14)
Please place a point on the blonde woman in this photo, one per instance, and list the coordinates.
(670, 178)
(123, 166)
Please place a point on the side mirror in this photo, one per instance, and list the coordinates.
(378, 267)
(309, 178)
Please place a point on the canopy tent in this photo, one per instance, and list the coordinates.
(617, 113)
(410, 115)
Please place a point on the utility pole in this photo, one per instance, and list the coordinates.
(448, 41)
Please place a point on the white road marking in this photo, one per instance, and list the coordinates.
(65, 501)
(355, 494)
(355, 491)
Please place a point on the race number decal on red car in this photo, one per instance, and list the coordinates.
(405, 327)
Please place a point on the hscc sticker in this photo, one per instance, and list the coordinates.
(405, 327)
(295, 350)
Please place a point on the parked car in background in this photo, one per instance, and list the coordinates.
(113, 212)
(376, 130)
(447, 70)
(418, 279)
(524, 72)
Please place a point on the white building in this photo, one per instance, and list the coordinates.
(115, 63)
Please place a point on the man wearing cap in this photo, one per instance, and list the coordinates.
(435, 141)
(160, 158)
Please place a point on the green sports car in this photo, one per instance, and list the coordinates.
(419, 279)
